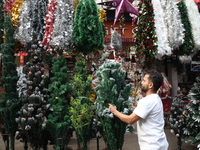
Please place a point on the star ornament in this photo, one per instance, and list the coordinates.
(123, 5)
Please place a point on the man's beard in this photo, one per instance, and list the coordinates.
(144, 90)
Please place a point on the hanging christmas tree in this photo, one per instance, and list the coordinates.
(58, 123)
(81, 109)
(110, 90)
(87, 30)
(192, 130)
(178, 120)
(10, 103)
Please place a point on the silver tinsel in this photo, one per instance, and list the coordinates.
(62, 32)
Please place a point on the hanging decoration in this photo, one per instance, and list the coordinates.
(88, 31)
(23, 32)
(38, 16)
(8, 4)
(173, 22)
(194, 19)
(15, 11)
(161, 31)
(120, 5)
(187, 47)
(62, 27)
(102, 15)
(144, 33)
(116, 40)
(185, 59)
(49, 20)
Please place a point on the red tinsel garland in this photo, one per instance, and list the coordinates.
(49, 20)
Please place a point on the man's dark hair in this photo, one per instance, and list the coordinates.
(156, 78)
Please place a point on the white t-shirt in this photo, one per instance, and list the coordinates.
(150, 127)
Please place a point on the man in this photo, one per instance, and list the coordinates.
(148, 114)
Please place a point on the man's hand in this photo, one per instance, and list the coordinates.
(112, 108)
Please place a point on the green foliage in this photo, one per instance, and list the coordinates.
(1, 20)
(88, 30)
(10, 103)
(110, 90)
(192, 131)
(187, 47)
(81, 109)
(58, 122)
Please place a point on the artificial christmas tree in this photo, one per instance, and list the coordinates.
(87, 30)
(81, 109)
(32, 115)
(110, 90)
(10, 103)
(178, 120)
(58, 122)
(192, 130)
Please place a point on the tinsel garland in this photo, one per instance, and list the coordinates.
(48, 21)
(24, 31)
(102, 15)
(173, 22)
(62, 27)
(8, 4)
(38, 16)
(145, 36)
(161, 30)
(15, 11)
(194, 19)
(1, 20)
(187, 47)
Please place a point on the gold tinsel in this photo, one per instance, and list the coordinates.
(75, 4)
(15, 11)
(102, 15)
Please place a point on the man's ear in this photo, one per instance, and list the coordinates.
(151, 85)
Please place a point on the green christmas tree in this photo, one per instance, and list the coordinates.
(178, 120)
(110, 90)
(88, 30)
(58, 122)
(192, 131)
(10, 103)
(81, 109)
(32, 115)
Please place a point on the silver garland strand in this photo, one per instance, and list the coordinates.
(62, 32)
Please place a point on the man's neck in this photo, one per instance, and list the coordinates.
(149, 93)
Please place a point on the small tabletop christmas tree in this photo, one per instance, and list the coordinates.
(81, 109)
(110, 90)
(192, 131)
(58, 122)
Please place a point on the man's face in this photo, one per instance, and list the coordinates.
(145, 83)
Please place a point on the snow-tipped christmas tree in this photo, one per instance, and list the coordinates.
(192, 130)
(178, 120)
(59, 123)
(10, 103)
(32, 119)
(88, 30)
(81, 109)
(110, 90)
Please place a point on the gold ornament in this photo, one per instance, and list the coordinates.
(102, 15)
(15, 11)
